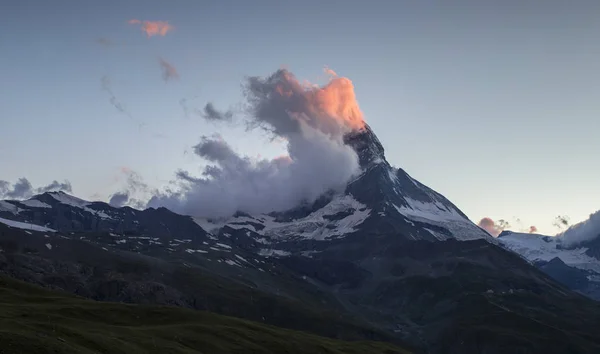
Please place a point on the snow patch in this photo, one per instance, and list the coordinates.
(314, 226)
(6, 206)
(189, 250)
(431, 211)
(64, 198)
(48, 246)
(25, 226)
(223, 245)
(273, 253)
(317, 225)
(232, 263)
(241, 258)
(34, 203)
(438, 214)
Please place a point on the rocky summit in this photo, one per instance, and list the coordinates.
(385, 259)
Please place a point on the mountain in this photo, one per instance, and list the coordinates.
(576, 265)
(381, 199)
(386, 259)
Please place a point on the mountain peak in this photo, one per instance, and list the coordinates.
(369, 149)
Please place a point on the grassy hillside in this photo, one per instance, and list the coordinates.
(36, 320)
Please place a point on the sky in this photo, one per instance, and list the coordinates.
(494, 104)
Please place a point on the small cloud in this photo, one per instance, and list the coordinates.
(105, 42)
(492, 227)
(329, 72)
(211, 113)
(533, 229)
(153, 28)
(561, 222)
(168, 71)
(56, 186)
(183, 104)
(115, 102)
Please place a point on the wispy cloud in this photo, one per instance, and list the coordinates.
(153, 28)
(105, 42)
(168, 70)
(134, 193)
(561, 222)
(120, 106)
(211, 113)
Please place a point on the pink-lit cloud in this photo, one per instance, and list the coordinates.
(492, 227)
(533, 229)
(153, 28)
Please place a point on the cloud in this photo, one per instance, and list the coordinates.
(23, 189)
(212, 114)
(492, 227)
(332, 74)
(135, 182)
(107, 86)
(119, 199)
(533, 229)
(56, 186)
(282, 105)
(312, 121)
(4, 187)
(561, 221)
(134, 193)
(583, 231)
(183, 104)
(168, 71)
(105, 42)
(120, 106)
(153, 28)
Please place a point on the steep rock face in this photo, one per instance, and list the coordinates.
(398, 200)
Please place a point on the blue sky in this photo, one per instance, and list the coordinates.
(493, 104)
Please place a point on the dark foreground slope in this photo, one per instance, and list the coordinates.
(91, 271)
(36, 320)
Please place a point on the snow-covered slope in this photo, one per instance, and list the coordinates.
(574, 265)
(339, 217)
(535, 248)
(25, 226)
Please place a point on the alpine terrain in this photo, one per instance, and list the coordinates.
(387, 259)
(572, 258)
